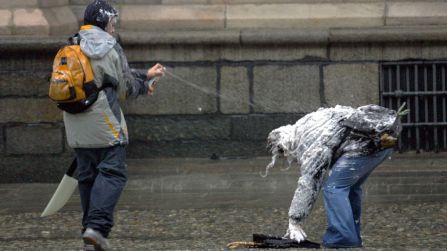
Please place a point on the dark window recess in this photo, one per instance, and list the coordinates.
(422, 85)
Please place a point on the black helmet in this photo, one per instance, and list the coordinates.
(99, 13)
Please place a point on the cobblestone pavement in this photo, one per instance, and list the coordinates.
(417, 226)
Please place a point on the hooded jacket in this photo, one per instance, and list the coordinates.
(319, 138)
(103, 124)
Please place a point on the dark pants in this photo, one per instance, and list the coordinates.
(343, 198)
(102, 177)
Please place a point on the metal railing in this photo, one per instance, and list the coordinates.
(422, 85)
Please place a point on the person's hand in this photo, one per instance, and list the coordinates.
(156, 71)
(295, 232)
(387, 141)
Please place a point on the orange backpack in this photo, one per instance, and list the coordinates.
(72, 84)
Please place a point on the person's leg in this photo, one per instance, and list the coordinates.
(342, 197)
(355, 196)
(107, 188)
(87, 161)
(341, 229)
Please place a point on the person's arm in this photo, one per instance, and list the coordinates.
(137, 81)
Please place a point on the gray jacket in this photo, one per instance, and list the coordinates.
(103, 123)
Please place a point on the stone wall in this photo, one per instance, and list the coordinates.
(242, 80)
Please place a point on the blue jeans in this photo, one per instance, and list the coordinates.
(343, 198)
(102, 177)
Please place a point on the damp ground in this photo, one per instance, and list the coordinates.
(204, 205)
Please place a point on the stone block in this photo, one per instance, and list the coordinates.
(178, 128)
(80, 2)
(8, 4)
(33, 168)
(184, 2)
(351, 84)
(24, 83)
(30, 22)
(274, 52)
(62, 20)
(28, 110)
(355, 51)
(5, 22)
(35, 62)
(153, 17)
(197, 149)
(123, 2)
(258, 126)
(234, 90)
(78, 11)
(184, 90)
(305, 15)
(284, 36)
(416, 13)
(33, 139)
(2, 140)
(286, 88)
(177, 53)
(53, 3)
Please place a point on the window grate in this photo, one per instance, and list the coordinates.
(422, 85)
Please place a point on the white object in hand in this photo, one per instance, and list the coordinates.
(200, 109)
(295, 232)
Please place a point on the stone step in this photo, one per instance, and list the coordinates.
(63, 17)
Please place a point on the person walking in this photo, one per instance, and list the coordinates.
(99, 134)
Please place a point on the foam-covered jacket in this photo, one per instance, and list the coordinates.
(319, 138)
(103, 124)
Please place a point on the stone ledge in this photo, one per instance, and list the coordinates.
(247, 36)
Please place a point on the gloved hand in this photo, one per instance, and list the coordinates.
(295, 232)
(387, 141)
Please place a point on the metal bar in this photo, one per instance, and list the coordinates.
(426, 107)
(424, 124)
(408, 103)
(389, 84)
(444, 110)
(411, 62)
(399, 143)
(435, 112)
(416, 102)
(421, 93)
(382, 103)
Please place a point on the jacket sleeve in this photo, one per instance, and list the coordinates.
(135, 82)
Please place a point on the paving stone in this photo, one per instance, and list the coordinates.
(32, 110)
(150, 17)
(33, 139)
(286, 89)
(195, 96)
(304, 15)
(416, 13)
(30, 22)
(351, 84)
(234, 90)
(5, 22)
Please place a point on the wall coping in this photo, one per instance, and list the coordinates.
(248, 37)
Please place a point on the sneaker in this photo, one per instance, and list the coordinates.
(94, 241)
